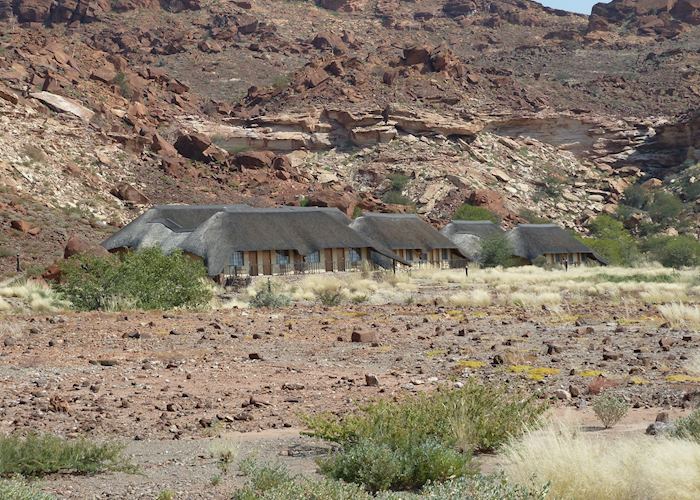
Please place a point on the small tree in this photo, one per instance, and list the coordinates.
(496, 251)
(664, 208)
(148, 279)
(610, 409)
(674, 251)
(636, 196)
(471, 212)
(612, 241)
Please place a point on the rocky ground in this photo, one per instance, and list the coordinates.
(170, 384)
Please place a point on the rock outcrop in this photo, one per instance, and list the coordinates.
(665, 18)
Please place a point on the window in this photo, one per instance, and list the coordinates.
(283, 257)
(445, 254)
(355, 255)
(314, 257)
(423, 257)
(408, 255)
(236, 259)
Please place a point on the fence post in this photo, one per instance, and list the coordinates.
(19, 267)
(466, 269)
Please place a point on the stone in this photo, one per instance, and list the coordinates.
(78, 246)
(210, 47)
(364, 337)
(25, 227)
(104, 74)
(255, 159)
(64, 105)
(8, 95)
(292, 386)
(371, 380)
(254, 356)
(127, 192)
(562, 394)
(611, 356)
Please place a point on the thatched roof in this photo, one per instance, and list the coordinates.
(214, 232)
(468, 235)
(401, 231)
(529, 241)
(305, 231)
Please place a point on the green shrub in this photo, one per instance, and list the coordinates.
(688, 427)
(636, 196)
(330, 298)
(612, 241)
(424, 437)
(395, 195)
(496, 251)
(18, 489)
(148, 278)
(471, 212)
(122, 82)
(484, 487)
(379, 466)
(274, 482)
(664, 208)
(41, 454)
(269, 298)
(610, 409)
(674, 251)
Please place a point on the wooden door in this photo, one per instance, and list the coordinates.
(328, 257)
(341, 259)
(253, 262)
(267, 262)
(298, 262)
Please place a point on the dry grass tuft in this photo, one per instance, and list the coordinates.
(581, 467)
(681, 315)
(473, 298)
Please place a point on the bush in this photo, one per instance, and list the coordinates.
(471, 212)
(148, 278)
(636, 196)
(330, 298)
(496, 251)
(379, 466)
(17, 489)
(42, 454)
(612, 241)
(483, 487)
(274, 482)
(688, 427)
(674, 251)
(423, 438)
(664, 208)
(610, 409)
(268, 297)
(395, 195)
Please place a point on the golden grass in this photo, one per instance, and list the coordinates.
(680, 378)
(681, 315)
(473, 298)
(34, 295)
(591, 373)
(470, 363)
(533, 372)
(581, 467)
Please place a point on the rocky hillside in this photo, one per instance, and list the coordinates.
(360, 104)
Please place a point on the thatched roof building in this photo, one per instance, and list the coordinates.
(530, 241)
(401, 231)
(215, 232)
(468, 235)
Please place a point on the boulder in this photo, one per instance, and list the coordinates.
(79, 246)
(210, 47)
(127, 192)
(25, 227)
(416, 55)
(255, 159)
(162, 147)
(343, 5)
(198, 147)
(344, 202)
(329, 41)
(63, 105)
(364, 337)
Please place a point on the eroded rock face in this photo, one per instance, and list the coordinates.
(647, 17)
(85, 11)
(343, 5)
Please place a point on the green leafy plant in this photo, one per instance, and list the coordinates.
(610, 409)
(19, 489)
(496, 251)
(674, 251)
(688, 427)
(268, 297)
(403, 445)
(41, 454)
(147, 278)
(472, 212)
